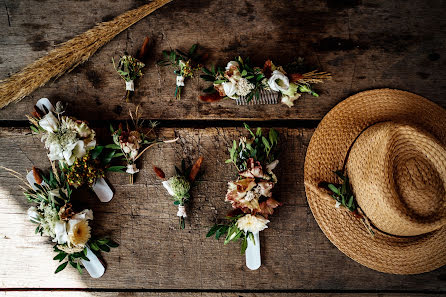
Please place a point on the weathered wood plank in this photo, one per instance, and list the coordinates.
(365, 44)
(184, 294)
(154, 254)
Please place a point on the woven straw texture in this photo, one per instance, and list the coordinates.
(326, 153)
(398, 175)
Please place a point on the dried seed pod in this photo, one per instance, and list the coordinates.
(195, 169)
(37, 176)
(159, 172)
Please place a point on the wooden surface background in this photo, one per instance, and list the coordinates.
(365, 44)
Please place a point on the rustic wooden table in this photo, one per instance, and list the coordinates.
(365, 44)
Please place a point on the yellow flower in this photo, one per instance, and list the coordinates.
(79, 233)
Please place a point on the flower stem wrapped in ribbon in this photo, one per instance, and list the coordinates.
(185, 65)
(132, 143)
(55, 217)
(129, 68)
(73, 144)
(240, 79)
(251, 194)
(179, 186)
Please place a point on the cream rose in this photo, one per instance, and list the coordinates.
(278, 81)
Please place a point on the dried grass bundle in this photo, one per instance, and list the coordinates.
(70, 54)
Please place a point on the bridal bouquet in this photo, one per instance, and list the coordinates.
(179, 186)
(57, 218)
(72, 143)
(251, 193)
(131, 142)
(240, 79)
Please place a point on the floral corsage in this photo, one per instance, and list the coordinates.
(73, 144)
(179, 186)
(185, 65)
(242, 80)
(251, 194)
(129, 68)
(56, 217)
(131, 142)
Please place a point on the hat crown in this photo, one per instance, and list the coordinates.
(398, 175)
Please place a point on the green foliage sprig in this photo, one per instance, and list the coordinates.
(185, 64)
(343, 193)
(129, 68)
(260, 148)
(231, 233)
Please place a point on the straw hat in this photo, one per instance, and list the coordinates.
(392, 146)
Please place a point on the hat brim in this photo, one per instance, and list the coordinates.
(326, 153)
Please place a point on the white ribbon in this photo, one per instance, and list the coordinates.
(252, 253)
(180, 81)
(131, 169)
(129, 86)
(44, 105)
(102, 190)
(94, 266)
(181, 211)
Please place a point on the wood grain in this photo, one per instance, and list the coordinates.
(155, 254)
(184, 294)
(365, 44)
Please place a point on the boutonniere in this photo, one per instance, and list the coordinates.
(56, 217)
(247, 84)
(129, 68)
(179, 186)
(132, 142)
(251, 193)
(185, 65)
(345, 199)
(72, 143)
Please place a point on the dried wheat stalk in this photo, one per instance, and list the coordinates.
(70, 54)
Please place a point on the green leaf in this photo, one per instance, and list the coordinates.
(113, 146)
(228, 161)
(208, 77)
(61, 267)
(34, 129)
(244, 245)
(85, 251)
(273, 136)
(193, 49)
(94, 246)
(212, 230)
(79, 268)
(176, 202)
(104, 248)
(219, 81)
(244, 72)
(112, 244)
(73, 264)
(96, 151)
(116, 168)
(207, 71)
(102, 241)
(334, 189)
(60, 256)
(265, 142)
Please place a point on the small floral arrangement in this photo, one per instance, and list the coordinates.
(251, 194)
(72, 143)
(343, 195)
(55, 217)
(129, 68)
(241, 79)
(185, 65)
(131, 142)
(179, 186)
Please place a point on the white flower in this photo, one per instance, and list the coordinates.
(253, 224)
(278, 81)
(34, 215)
(230, 89)
(244, 87)
(232, 64)
(166, 184)
(61, 234)
(131, 169)
(180, 81)
(86, 214)
(49, 123)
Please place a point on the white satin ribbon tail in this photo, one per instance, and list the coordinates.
(252, 253)
(94, 266)
(44, 102)
(103, 190)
